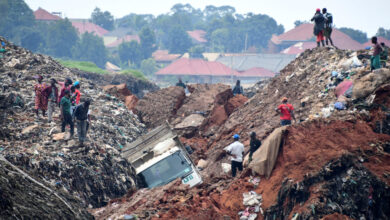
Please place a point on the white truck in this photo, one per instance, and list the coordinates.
(159, 158)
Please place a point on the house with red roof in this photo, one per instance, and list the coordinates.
(85, 26)
(197, 36)
(45, 16)
(304, 33)
(380, 40)
(163, 57)
(120, 40)
(202, 71)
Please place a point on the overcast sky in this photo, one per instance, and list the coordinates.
(364, 15)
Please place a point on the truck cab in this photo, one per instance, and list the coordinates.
(159, 158)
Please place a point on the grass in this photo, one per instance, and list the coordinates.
(137, 74)
(83, 65)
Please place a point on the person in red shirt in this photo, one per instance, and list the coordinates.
(286, 112)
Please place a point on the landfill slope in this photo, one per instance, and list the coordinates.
(94, 173)
(332, 164)
(22, 197)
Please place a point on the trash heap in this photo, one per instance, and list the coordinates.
(94, 173)
(23, 197)
(331, 163)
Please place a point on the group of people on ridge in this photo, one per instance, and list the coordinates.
(47, 98)
(323, 24)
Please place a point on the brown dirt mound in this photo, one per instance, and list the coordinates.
(157, 107)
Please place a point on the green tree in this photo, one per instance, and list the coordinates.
(383, 33)
(61, 38)
(32, 39)
(130, 53)
(298, 23)
(90, 48)
(148, 42)
(149, 67)
(197, 51)
(15, 14)
(219, 39)
(103, 19)
(357, 35)
(179, 41)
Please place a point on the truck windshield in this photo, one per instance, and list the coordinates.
(166, 170)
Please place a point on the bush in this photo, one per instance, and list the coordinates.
(83, 65)
(137, 74)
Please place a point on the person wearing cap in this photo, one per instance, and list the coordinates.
(40, 98)
(51, 92)
(77, 92)
(254, 145)
(328, 26)
(81, 116)
(236, 151)
(319, 25)
(66, 116)
(286, 112)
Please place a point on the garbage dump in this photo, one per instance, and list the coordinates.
(24, 197)
(327, 162)
(93, 173)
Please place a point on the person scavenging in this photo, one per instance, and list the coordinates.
(236, 151)
(64, 86)
(286, 112)
(40, 98)
(328, 26)
(319, 25)
(181, 84)
(66, 116)
(81, 116)
(375, 58)
(384, 54)
(77, 92)
(238, 88)
(51, 93)
(254, 145)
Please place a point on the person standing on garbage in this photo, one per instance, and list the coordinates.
(238, 88)
(319, 25)
(77, 92)
(64, 86)
(181, 84)
(40, 98)
(51, 92)
(81, 116)
(236, 151)
(66, 116)
(384, 55)
(286, 112)
(328, 26)
(375, 58)
(254, 145)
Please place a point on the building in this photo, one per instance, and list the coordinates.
(163, 57)
(197, 36)
(118, 41)
(45, 16)
(243, 62)
(202, 71)
(304, 33)
(380, 40)
(86, 26)
(299, 48)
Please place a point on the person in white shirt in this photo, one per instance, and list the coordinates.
(236, 151)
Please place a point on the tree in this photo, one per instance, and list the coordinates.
(103, 19)
(197, 51)
(15, 14)
(32, 39)
(357, 35)
(298, 23)
(179, 41)
(148, 42)
(130, 53)
(91, 48)
(61, 38)
(383, 33)
(148, 66)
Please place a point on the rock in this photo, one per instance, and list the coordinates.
(368, 83)
(131, 101)
(202, 163)
(192, 121)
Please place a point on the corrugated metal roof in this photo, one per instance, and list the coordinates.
(256, 72)
(304, 32)
(272, 62)
(89, 27)
(198, 35)
(163, 55)
(43, 15)
(198, 67)
(299, 47)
